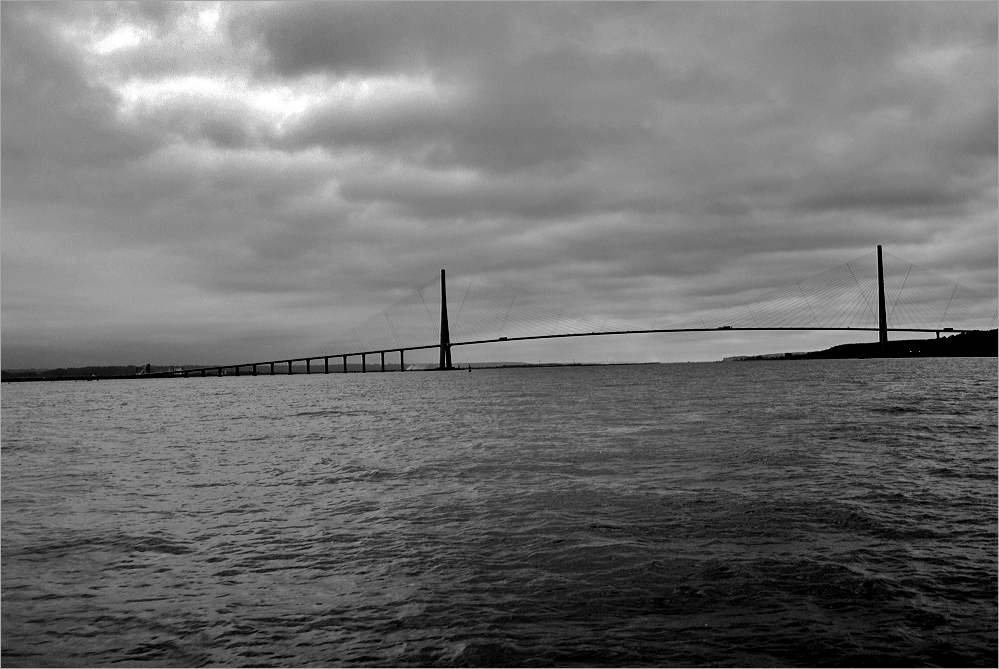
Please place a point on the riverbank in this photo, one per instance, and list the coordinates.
(979, 344)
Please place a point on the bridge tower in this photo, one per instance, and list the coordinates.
(445, 360)
(882, 319)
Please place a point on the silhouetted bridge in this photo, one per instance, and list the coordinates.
(859, 295)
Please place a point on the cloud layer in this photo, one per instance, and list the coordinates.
(216, 183)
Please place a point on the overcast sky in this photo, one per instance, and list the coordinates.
(213, 183)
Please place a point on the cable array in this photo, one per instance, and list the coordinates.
(847, 297)
(916, 297)
(485, 315)
(842, 297)
(412, 321)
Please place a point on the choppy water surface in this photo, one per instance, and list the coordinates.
(806, 513)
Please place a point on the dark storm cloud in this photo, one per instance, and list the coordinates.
(541, 113)
(510, 107)
(50, 113)
(372, 38)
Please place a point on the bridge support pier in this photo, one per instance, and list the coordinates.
(236, 368)
(344, 364)
(254, 370)
(203, 373)
(272, 369)
(364, 363)
(308, 366)
(383, 360)
(289, 368)
(445, 359)
(326, 365)
(220, 371)
(882, 319)
(402, 360)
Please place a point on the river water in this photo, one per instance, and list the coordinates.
(728, 514)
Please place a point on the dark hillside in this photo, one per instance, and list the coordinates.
(979, 344)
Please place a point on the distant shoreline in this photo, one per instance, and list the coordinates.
(981, 344)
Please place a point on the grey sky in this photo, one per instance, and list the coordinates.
(221, 183)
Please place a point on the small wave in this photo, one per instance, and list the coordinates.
(123, 543)
(489, 654)
(896, 528)
(895, 409)
(159, 545)
(321, 412)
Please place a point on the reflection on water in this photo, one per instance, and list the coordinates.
(815, 512)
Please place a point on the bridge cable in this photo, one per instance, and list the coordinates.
(394, 335)
(947, 308)
(429, 315)
(457, 318)
(899, 294)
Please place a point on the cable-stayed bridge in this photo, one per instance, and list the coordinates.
(877, 292)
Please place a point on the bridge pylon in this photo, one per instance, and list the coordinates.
(882, 319)
(445, 357)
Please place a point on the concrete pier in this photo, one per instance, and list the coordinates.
(882, 318)
(445, 357)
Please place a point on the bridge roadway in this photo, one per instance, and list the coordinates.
(220, 369)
